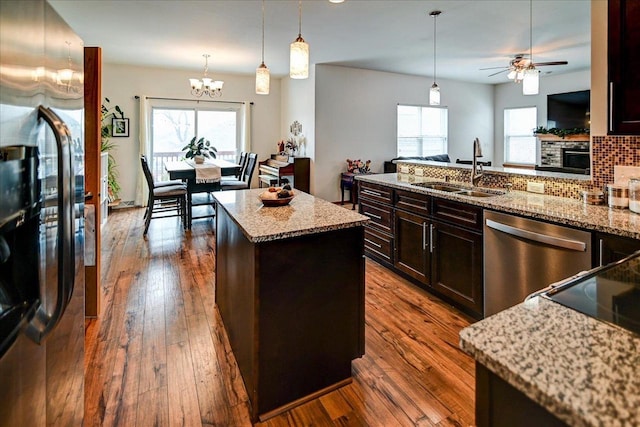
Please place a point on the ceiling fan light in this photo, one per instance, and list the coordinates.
(263, 78)
(512, 74)
(531, 81)
(434, 95)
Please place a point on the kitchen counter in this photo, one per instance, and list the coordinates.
(544, 207)
(583, 371)
(304, 215)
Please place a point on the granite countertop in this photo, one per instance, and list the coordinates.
(560, 210)
(305, 214)
(584, 371)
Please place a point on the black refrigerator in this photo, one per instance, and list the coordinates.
(41, 218)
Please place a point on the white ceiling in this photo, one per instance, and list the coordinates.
(394, 36)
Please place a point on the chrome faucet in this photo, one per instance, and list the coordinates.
(476, 171)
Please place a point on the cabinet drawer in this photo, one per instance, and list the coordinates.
(380, 215)
(375, 192)
(377, 243)
(458, 213)
(413, 202)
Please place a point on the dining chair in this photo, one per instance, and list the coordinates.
(244, 182)
(165, 200)
(242, 161)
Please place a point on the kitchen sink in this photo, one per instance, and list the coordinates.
(438, 186)
(457, 189)
(479, 193)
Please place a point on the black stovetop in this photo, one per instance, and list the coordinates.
(610, 293)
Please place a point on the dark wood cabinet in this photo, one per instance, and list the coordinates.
(624, 62)
(612, 248)
(375, 202)
(456, 265)
(435, 242)
(412, 253)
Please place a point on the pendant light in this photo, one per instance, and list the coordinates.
(531, 78)
(434, 92)
(263, 78)
(299, 52)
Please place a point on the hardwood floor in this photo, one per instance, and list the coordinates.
(159, 356)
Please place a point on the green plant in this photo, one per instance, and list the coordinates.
(106, 116)
(200, 147)
(560, 132)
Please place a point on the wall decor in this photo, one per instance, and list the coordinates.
(120, 127)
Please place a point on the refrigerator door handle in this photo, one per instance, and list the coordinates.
(43, 322)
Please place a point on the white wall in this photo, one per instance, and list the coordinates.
(120, 83)
(298, 103)
(509, 95)
(356, 118)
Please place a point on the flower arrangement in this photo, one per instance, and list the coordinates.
(358, 166)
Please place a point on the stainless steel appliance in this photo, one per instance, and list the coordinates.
(523, 255)
(41, 218)
(609, 293)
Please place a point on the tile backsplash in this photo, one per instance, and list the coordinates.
(607, 152)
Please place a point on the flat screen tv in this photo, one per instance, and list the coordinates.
(569, 110)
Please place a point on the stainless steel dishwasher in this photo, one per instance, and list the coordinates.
(523, 255)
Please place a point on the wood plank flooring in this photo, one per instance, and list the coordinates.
(159, 356)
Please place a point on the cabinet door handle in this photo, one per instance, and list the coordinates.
(371, 242)
(424, 236)
(372, 215)
(431, 229)
(600, 248)
(610, 106)
(372, 193)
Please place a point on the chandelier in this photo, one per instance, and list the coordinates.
(206, 85)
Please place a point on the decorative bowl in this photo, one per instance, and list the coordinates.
(276, 202)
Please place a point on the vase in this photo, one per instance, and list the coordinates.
(198, 159)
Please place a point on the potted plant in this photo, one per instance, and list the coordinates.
(106, 115)
(198, 149)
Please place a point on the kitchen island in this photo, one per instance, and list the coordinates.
(290, 291)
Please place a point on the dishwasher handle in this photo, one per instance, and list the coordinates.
(560, 242)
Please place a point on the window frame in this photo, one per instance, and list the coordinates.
(444, 138)
(507, 137)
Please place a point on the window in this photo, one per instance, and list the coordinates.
(172, 127)
(422, 131)
(519, 141)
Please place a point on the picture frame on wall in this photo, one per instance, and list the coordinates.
(120, 127)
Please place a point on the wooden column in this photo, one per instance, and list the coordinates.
(92, 142)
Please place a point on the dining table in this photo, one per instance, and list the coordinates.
(186, 171)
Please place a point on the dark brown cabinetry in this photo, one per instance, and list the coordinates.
(612, 248)
(457, 265)
(624, 62)
(435, 242)
(412, 249)
(375, 202)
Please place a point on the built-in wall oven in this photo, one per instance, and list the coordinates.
(576, 158)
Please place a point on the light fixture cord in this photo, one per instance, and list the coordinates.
(435, 20)
(530, 32)
(300, 18)
(263, 31)
(206, 64)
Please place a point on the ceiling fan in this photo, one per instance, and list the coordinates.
(518, 65)
(525, 70)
